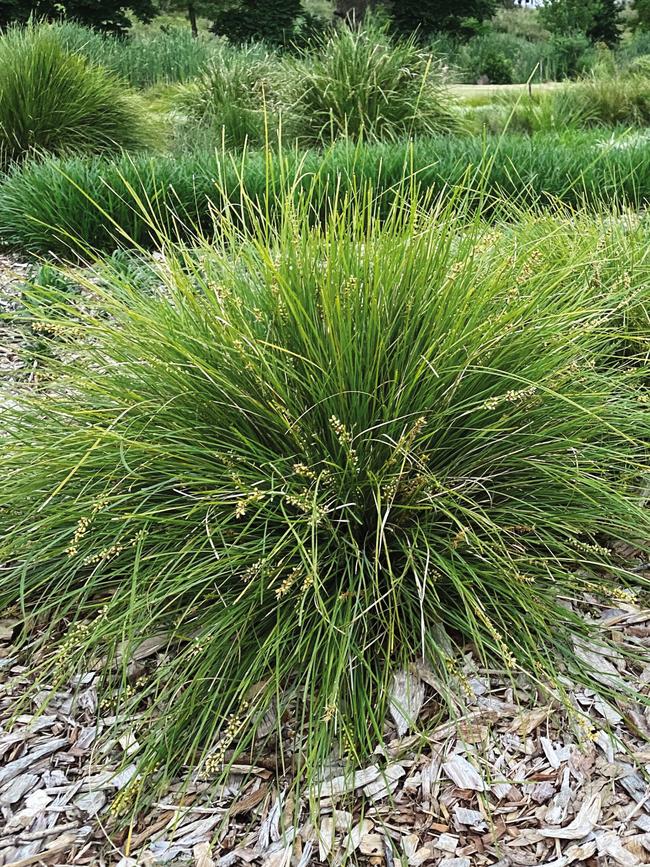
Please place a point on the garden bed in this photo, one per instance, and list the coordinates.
(517, 779)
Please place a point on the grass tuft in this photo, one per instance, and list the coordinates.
(358, 82)
(53, 100)
(314, 455)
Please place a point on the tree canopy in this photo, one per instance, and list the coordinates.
(108, 15)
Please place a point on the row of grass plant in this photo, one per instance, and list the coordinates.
(55, 205)
(318, 454)
(597, 101)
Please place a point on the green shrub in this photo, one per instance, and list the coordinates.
(357, 82)
(237, 95)
(568, 55)
(80, 203)
(54, 100)
(318, 456)
(501, 57)
(274, 21)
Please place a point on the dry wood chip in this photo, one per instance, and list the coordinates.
(348, 783)
(305, 858)
(501, 790)
(13, 769)
(598, 663)
(342, 820)
(326, 838)
(542, 792)
(123, 778)
(557, 810)
(610, 845)
(372, 845)
(270, 827)
(55, 848)
(280, 858)
(146, 648)
(386, 783)
(18, 788)
(639, 845)
(528, 720)
(583, 823)
(573, 854)
(463, 774)
(353, 840)
(406, 699)
(447, 843)
(410, 844)
(90, 802)
(7, 627)
(202, 854)
(471, 818)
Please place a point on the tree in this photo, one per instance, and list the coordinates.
(270, 20)
(107, 15)
(460, 17)
(596, 19)
(642, 10)
(352, 10)
(605, 26)
(193, 9)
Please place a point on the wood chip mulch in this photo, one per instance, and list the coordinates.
(521, 779)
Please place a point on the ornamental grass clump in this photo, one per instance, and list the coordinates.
(54, 100)
(358, 82)
(237, 95)
(313, 456)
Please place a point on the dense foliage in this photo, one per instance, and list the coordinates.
(461, 17)
(597, 19)
(320, 454)
(59, 205)
(108, 15)
(54, 100)
(269, 20)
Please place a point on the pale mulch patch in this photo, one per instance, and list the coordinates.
(517, 781)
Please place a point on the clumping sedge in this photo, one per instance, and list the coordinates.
(313, 455)
(53, 100)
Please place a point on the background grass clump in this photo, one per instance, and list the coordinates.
(316, 452)
(238, 96)
(359, 82)
(76, 204)
(53, 100)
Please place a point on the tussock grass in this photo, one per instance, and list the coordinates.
(593, 101)
(79, 203)
(146, 58)
(358, 82)
(53, 100)
(238, 95)
(317, 454)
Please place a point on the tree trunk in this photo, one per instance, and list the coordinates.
(351, 11)
(191, 14)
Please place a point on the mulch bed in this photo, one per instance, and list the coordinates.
(520, 779)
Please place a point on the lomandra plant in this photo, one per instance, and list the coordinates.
(53, 100)
(237, 95)
(358, 82)
(315, 455)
